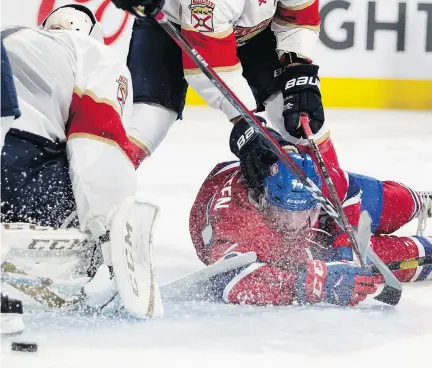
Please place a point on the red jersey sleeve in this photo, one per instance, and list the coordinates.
(225, 221)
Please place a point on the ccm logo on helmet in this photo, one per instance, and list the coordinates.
(301, 81)
(245, 137)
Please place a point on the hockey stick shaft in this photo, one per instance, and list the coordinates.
(407, 264)
(392, 291)
(304, 120)
(217, 81)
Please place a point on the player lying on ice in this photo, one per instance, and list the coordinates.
(68, 162)
(302, 254)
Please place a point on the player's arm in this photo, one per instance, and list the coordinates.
(296, 26)
(102, 157)
(313, 282)
(208, 26)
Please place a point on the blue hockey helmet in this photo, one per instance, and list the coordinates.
(287, 203)
(282, 189)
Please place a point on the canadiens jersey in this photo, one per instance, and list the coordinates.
(216, 28)
(73, 88)
(225, 221)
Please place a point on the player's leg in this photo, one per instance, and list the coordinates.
(390, 204)
(9, 101)
(126, 267)
(35, 188)
(35, 184)
(260, 65)
(159, 87)
(405, 248)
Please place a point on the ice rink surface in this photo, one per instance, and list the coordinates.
(385, 144)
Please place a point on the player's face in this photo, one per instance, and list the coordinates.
(290, 222)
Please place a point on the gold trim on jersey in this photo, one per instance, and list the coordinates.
(323, 138)
(281, 22)
(95, 137)
(297, 7)
(140, 145)
(97, 99)
(219, 69)
(222, 34)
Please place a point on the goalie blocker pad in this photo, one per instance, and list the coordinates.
(132, 258)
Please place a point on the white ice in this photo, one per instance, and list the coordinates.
(394, 145)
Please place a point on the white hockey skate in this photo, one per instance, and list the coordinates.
(11, 316)
(425, 212)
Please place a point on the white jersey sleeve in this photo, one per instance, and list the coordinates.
(102, 157)
(208, 25)
(296, 25)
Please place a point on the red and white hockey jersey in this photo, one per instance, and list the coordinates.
(216, 28)
(224, 220)
(73, 88)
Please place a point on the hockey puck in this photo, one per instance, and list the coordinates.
(27, 347)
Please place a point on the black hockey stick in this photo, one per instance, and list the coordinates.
(392, 291)
(407, 264)
(208, 71)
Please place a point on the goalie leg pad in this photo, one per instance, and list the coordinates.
(132, 259)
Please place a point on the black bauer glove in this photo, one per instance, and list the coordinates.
(253, 152)
(151, 7)
(301, 93)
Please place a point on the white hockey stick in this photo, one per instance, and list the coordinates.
(190, 286)
(187, 287)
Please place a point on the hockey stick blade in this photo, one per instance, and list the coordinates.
(189, 287)
(392, 290)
